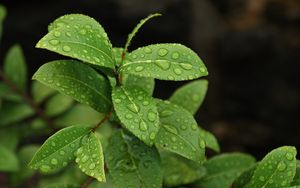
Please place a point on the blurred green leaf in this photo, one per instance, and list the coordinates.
(8, 160)
(9, 138)
(245, 177)
(41, 92)
(2, 17)
(58, 104)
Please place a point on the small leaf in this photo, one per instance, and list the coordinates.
(179, 132)
(90, 158)
(58, 104)
(131, 163)
(223, 169)
(137, 112)
(190, 96)
(296, 180)
(80, 37)
(78, 81)
(59, 149)
(147, 84)
(8, 160)
(276, 169)
(118, 55)
(41, 92)
(165, 62)
(2, 17)
(210, 140)
(15, 67)
(180, 171)
(137, 27)
(13, 112)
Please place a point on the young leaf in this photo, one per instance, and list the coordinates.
(58, 104)
(40, 92)
(137, 27)
(276, 169)
(80, 37)
(118, 55)
(90, 158)
(137, 112)
(15, 67)
(2, 17)
(59, 149)
(210, 140)
(165, 62)
(296, 180)
(147, 84)
(179, 132)
(78, 81)
(8, 160)
(131, 163)
(223, 169)
(190, 96)
(180, 171)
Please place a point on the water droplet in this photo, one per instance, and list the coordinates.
(82, 31)
(166, 113)
(66, 48)
(134, 108)
(171, 129)
(139, 68)
(183, 127)
(281, 166)
(62, 152)
(177, 71)
(143, 126)
(262, 178)
(175, 55)
(202, 69)
(165, 65)
(152, 135)
(79, 151)
(128, 116)
(201, 143)
(118, 100)
(92, 166)
(145, 103)
(173, 138)
(53, 144)
(162, 52)
(186, 66)
(147, 164)
(45, 168)
(54, 161)
(194, 127)
(94, 156)
(68, 34)
(57, 33)
(85, 158)
(170, 77)
(54, 42)
(147, 50)
(289, 156)
(151, 116)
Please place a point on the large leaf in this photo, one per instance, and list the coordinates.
(58, 104)
(8, 160)
(223, 169)
(59, 149)
(296, 180)
(137, 112)
(15, 67)
(179, 132)
(276, 169)
(179, 171)
(165, 62)
(190, 96)
(2, 17)
(147, 84)
(90, 158)
(40, 92)
(12, 112)
(81, 37)
(78, 81)
(131, 163)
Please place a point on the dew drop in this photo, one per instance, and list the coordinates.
(66, 48)
(281, 166)
(202, 69)
(118, 100)
(201, 143)
(79, 151)
(186, 66)
(145, 103)
(57, 34)
(165, 65)
(183, 127)
(152, 136)
(143, 126)
(92, 166)
(85, 158)
(170, 129)
(262, 178)
(162, 52)
(151, 116)
(54, 42)
(166, 113)
(175, 55)
(173, 138)
(54, 161)
(139, 68)
(289, 156)
(177, 71)
(170, 77)
(147, 50)
(53, 144)
(82, 31)
(134, 108)
(68, 34)
(45, 168)
(62, 152)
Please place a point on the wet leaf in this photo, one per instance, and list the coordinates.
(147, 84)
(210, 140)
(296, 180)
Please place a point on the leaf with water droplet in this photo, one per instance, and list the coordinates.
(58, 104)
(296, 179)
(78, 81)
(89, 157)
(131, 163)
(161, 64)
(49, 157)
(15, 68)
(276, 169)
(245, 177)
(191, 95)
(223, 169)
(181, 125)
(129, 100)
(80, 37)
(180, 171)
(147, 84)
(210, 140)
(8, 160)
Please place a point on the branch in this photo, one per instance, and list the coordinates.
(87, 182)
(106, 117)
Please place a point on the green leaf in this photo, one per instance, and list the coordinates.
(62, 185)
(147, 84)
(80, 37)
(58, 104)
(2, 17)
(118, 55)
(165, 62)
(190, 96)
(223, 169)
(8, 160)
(137, 112)
(276, 169)
(179, 132)
(296, 180)
(59, 149)
(7, 94)
(90, 158)
(180, 171)
(245, 177)
(137, 27)
(15, 67)
(210, 140)
(78, 81)
(131, 163)
(12, 112)
(41, 92)
(9, 138)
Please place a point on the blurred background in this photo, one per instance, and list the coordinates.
(251, 49)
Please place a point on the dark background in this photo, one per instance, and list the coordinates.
(251, 49)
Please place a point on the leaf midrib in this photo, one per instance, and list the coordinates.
(153, 61)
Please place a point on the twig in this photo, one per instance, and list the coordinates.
(27, 99)
(87, 182)
(120, 80)
(106, 117)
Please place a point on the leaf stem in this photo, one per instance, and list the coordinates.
(87, 182)
(120, 79)
(106, 117)
(27, 99)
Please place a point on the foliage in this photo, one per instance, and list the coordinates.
(126, 138)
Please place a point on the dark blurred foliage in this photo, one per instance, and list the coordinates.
(251, 48)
